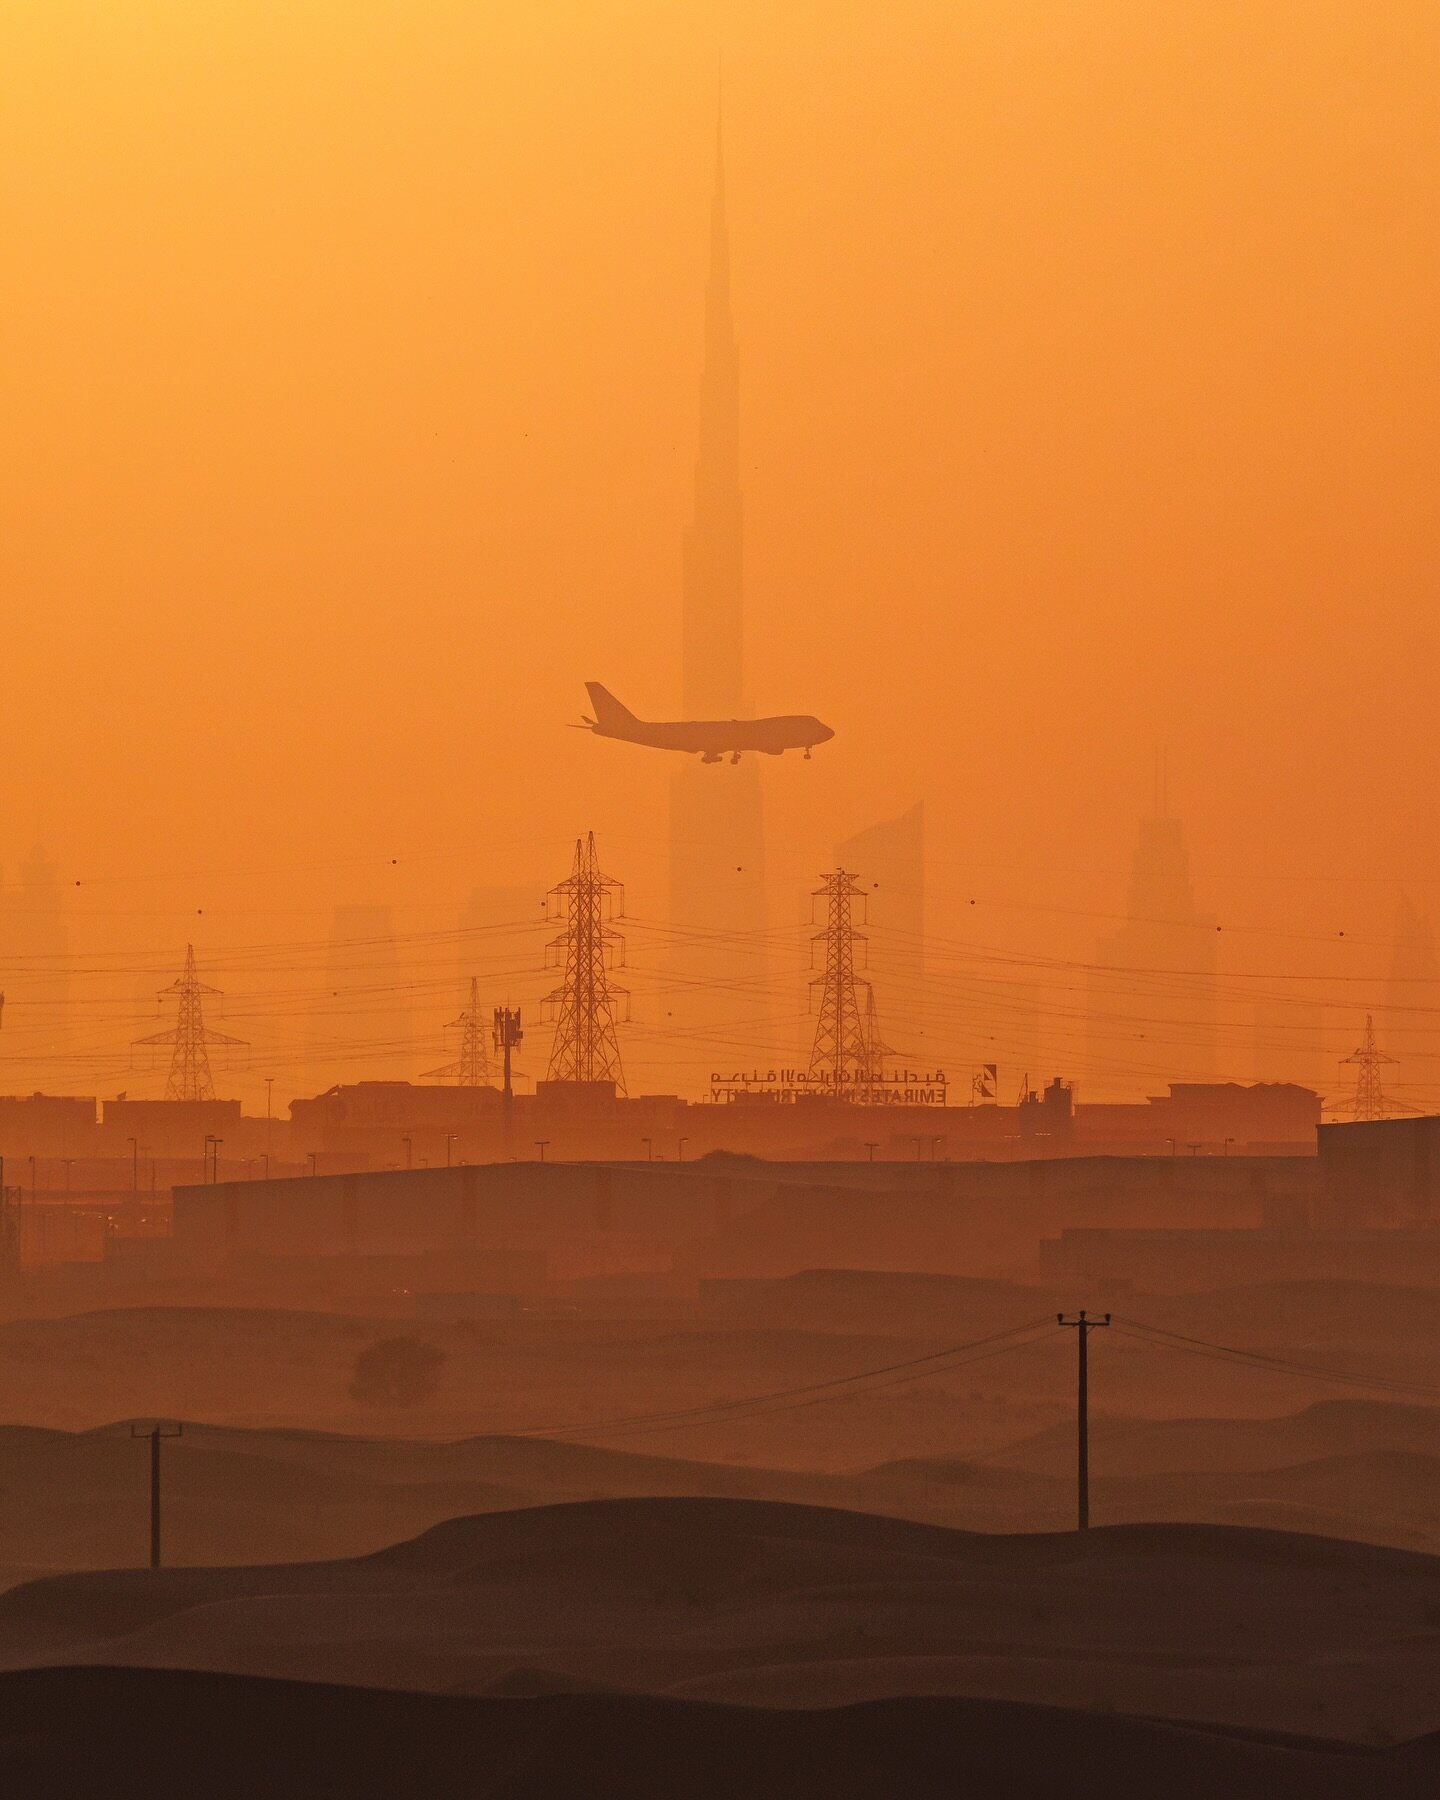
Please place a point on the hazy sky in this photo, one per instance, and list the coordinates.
(349, 374)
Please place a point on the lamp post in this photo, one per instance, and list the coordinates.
(450, 1138)
(649, 1149)
(134, 1144)
(680, 1151)
(540, 1144)
(871, 1148)
(409, 1152)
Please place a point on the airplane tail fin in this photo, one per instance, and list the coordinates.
(610, 716)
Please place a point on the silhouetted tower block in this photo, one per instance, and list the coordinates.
(190, 1063)
(1369, 1100)
(585, 1048)
(841, 1050)
(473, 1068)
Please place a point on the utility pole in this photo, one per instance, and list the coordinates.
(1082, 1326)
(155, 1434)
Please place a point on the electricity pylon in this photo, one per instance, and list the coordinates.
(190, 1064)
(1368, 1101)
(876, 1049)
(473, 1068)
(583, 1006)
(841, 1051)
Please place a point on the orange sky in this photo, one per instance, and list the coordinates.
(349, 376)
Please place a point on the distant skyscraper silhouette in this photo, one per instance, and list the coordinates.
(1153, 995)
(1412, 994)
(360, 1028)
(717, 851)
(35, 943)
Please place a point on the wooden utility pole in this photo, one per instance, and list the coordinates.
(1082, 1326)
(156, 1432)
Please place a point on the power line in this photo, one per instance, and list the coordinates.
(721, 1411)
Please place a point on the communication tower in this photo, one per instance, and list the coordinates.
(473, 1068)
(583, 1006)
(508, 1036)
(190, 1063)
(841, 1051)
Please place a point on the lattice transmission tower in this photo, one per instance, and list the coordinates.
(583, 1006)
(1368, 1100)
(843, 1044)
(876, 1049)
(190, 1063)
(473, 1068)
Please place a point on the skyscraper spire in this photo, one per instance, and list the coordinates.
(717, 840)
(713, 627)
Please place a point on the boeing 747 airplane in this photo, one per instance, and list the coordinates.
(710, 739)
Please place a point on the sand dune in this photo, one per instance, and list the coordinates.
(81, 1500)
(799, 1607)
(1330, 1428)
(118, 1732)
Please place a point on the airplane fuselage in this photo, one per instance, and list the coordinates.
(709, 739)
(714, 738)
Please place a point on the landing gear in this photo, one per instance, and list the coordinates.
(807, 753)
(734, 756)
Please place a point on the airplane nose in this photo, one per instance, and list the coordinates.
(828, 732)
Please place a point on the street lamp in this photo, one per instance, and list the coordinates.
(649, 1150)
(450, 1138)
(134, 1144)
(409, 1153)
(540, 1144)
(872, 1148)
(680, 1151)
